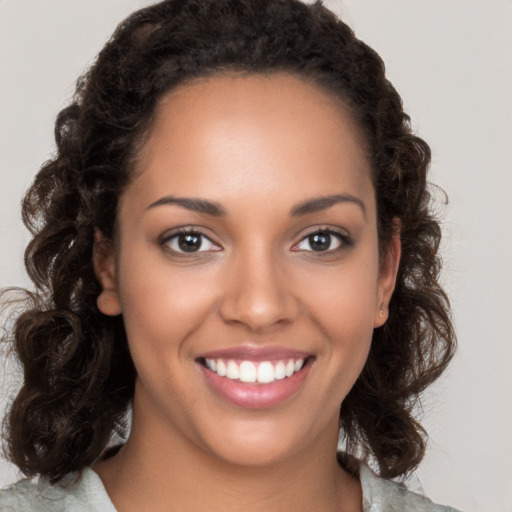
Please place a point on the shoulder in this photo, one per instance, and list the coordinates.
(380, 495)
(78, 493)
(27, 495)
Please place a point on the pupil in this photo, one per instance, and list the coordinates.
(320, 241)
(189, 242)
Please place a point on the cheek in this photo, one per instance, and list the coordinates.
(345, 297)
(163, 306)
(343, 304)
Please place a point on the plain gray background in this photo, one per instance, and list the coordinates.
(451, 62)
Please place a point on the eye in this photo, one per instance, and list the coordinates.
(322, 241)
(189, 242)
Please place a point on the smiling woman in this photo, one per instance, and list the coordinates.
(258, 291)
(235, 239)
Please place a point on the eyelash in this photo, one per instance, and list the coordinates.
(344, 240)
(167, 239)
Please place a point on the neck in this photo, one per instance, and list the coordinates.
(175, 474)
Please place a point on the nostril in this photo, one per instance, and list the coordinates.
(258, 310)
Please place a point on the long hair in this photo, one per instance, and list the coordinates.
(78, 374)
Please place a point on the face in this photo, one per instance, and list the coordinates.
(247, 268)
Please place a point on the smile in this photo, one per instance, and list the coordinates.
(256, 378)
(263, 372)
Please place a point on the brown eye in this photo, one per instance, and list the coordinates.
(189, 242)
(320, 241)
(323, 241)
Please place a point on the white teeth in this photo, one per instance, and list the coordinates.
(280, 371)
(290, 368)
(232, 371)
(221, 368)
(264, 372)
(247, 371)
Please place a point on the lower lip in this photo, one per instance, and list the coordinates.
(256, 396)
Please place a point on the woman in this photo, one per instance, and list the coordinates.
(235, 240)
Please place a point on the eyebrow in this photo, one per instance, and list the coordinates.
(193, 204)
(322, 203)
(215, 209)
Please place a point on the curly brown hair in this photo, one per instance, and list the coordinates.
(78, 374)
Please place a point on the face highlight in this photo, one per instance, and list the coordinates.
(247, 269)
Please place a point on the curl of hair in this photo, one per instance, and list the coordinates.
(78, 374)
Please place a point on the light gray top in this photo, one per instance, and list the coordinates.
(88, 495)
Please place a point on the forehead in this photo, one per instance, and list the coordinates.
(227, 132)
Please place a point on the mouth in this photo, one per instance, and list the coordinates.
(255, 378)
(260, 372)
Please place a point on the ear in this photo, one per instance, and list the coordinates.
(105, 269)
(387, 278)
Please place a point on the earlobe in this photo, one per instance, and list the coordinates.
(387, 279)
(104, 267)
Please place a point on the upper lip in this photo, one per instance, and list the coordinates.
(251, 353)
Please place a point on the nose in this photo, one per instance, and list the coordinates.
(258, 293)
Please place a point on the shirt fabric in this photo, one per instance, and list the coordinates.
(87, 494)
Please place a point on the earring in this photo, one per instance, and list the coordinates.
(381, 309)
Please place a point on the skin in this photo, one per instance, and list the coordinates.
(258, 147)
